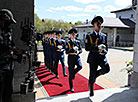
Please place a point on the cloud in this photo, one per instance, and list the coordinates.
(123, 2)
(109, 8)
(63, 17)
(92, 8)
(89, 8)
(65, 8)
(88, 1)
(49, 10)
(78, 15)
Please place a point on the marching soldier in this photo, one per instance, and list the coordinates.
(45, 44)
(73, 49)
(48, 50)
(52, 51)
(96, 44)
(7, 50)
(60, 48)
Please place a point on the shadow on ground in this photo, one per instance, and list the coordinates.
(130, 95)
(116, 95)
(87, 99)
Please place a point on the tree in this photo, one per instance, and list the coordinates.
(49, 24)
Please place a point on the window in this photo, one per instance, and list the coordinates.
(83, 36)
(132, 16)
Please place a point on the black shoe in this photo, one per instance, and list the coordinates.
(91, 94)
(65, 75)
(72, 90)
(57, 76)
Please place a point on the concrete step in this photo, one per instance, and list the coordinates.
(107, 95)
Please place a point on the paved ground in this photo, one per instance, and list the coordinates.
(114, 79)
(108, 95)
(117, 59)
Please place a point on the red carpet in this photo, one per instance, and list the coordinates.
(60, 86)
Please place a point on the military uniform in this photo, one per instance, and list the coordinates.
(73, 58)
(96, 58)
(45, 47)
(52, 53)
(47, 50)
(60, 48)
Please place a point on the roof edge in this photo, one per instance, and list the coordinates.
(122, 10)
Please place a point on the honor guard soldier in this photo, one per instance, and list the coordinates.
(73, 49)
(45, 44)
(7, 58)
(52, 52)
(96, 44)
(60, 48)
(48, 50)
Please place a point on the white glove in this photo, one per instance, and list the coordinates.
(60, 47)
(102, 49)
(75, 48)
(62, 50)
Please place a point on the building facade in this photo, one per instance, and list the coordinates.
(120, 30)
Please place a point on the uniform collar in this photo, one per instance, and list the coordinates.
(73, 40)
(97, 32)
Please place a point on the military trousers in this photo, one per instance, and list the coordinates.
(60, 57)
(101, 61)
(72, 61)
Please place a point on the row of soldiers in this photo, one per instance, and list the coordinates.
(95, 43)
(54, 48)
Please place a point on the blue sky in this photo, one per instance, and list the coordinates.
(75, 10)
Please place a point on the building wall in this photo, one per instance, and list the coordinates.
(127, 14)
(126, 35)
(83, 32)
(135, 74)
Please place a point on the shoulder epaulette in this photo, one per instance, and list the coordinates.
(91, 33)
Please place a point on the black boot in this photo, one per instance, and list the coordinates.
(57, 76)
(65, 75)
(91, 88)
(71, 85)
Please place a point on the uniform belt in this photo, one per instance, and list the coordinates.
(72, 53)
(94, 52)
(57, 50)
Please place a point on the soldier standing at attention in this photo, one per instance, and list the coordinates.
(60, 48)
(96, 44)
(7, 50)
(73, 49)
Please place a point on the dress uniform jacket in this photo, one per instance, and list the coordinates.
(91, 44)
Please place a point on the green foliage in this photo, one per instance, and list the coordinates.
(48, 24)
